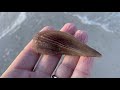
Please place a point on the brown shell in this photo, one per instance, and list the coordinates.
(56, 42)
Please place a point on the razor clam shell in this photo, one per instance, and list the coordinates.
(56, 42)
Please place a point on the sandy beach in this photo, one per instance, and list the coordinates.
(17, 29)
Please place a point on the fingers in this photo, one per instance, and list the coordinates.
(69, 28)
(69, 63)
(83, 68)
(27, 58)
(49, 62)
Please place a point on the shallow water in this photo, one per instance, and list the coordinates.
(17, 29)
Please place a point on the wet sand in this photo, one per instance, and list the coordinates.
(105, 42)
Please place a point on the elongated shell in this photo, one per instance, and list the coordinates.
(57, 42)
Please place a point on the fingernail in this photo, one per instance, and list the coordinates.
(81, 36)
(47, 28)
(69, 27)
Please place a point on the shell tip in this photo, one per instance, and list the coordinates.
(99, 55)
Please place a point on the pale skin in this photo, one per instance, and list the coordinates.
(70, 67)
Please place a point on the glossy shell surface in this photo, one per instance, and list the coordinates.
(56, 42)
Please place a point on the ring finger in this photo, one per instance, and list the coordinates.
(69, 63)
(49, 62)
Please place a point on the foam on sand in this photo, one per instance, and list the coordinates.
(17, 22)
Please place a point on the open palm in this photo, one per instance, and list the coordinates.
(70, 67)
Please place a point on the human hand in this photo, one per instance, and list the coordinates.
(70, 67)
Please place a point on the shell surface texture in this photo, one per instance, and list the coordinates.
(53, 42)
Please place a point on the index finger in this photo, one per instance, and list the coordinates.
(28, 57)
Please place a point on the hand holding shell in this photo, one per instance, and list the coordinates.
(57, 42)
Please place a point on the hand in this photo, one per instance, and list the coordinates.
(70, 67)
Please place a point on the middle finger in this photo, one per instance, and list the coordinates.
(69, 63)
(49, 62)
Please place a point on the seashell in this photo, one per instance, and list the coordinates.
(56, 42)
